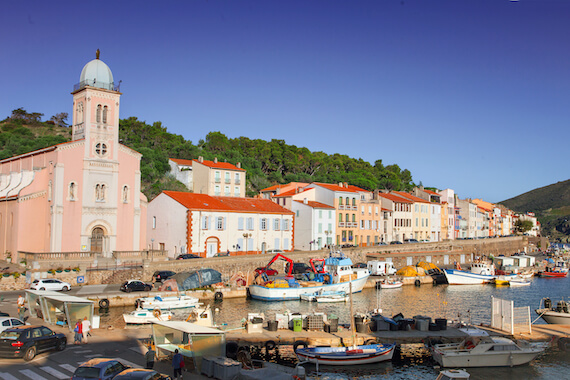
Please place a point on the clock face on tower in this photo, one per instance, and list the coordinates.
(101, 149)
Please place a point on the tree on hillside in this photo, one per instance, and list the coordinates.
(523, 226)
(59, 119)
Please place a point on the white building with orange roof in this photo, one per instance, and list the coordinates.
(314, 224)
(271, 191)
(209, 177)
(402, 215)
(346, 200)
(205, 225)
(420, 216)
(447, 198)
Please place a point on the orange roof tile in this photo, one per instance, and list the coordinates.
(314, 204)
(349, 189)
(410, 197)
(394, 198)
(290, 193)
(432, 192)
(180, 161)
(194, 201)
(219, 165)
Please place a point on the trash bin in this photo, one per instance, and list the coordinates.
(297, 325)
(333, 323)
(441, 323)
(361, 327)
(272, 325)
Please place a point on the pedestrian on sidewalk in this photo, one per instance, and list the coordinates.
(85, 328)
(177, 365)
(149, 357)
(78, 330)
(21, 307)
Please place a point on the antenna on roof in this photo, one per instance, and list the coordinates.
(97, 54)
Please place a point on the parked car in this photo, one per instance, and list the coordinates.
(99, 368)
(409, 241)
(161, 275)
(185, 256)
(135, 286)
(396, 242)
(8, 322)
(141, 374)
(274, 251)
(347, 245)
(27, 341)
(50, 284)
(268, 271)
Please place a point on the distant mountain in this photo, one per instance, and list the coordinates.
(551, 204)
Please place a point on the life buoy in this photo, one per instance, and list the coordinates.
(270, 345)
(370, 341)
(104, 303)
(300, 343)
(218, 296)
(156, 313)
(417, 282)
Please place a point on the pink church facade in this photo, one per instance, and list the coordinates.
(83, 195)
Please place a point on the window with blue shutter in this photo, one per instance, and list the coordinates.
(240, 223)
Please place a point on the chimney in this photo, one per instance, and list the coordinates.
(215, 160)
(305, 201)
(200, 159)
(238, 165)
(340, 184)
(346, 185)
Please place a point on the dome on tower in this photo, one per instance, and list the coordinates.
(97, 74)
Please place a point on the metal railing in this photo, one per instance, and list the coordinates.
(94, 83)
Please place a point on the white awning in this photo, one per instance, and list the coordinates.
(189, 328)
(56, 296)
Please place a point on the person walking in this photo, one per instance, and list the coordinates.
(149, 357)
(21, 307)
(78, 330)
(85, 328)
(177, 365)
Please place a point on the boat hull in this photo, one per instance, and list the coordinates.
(168, 303)
(366, 354)
(507, 359)
(391, 285)
(554, 317)
(459, 277)
(263, 293)
(552, 274)
(140, 317)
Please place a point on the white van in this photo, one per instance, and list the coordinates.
(381, 268)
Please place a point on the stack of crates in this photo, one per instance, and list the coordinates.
(315, 323)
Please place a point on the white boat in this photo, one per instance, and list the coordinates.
(143, 316)
(460, 277)
(325, 297)
(519, 281)
(167, 303)
(337, 273)
(453, 374)
(485, 351)
(371, 353)
(558, 315)
(389, 284)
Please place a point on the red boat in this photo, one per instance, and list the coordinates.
(552, 274)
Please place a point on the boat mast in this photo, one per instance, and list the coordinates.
(352, 326)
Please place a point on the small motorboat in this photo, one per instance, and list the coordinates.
(370, 353)
(389, 284)
(325, 297)
(143, 316)
(552, 273)
(558, 315)
(519, 281)
(453, 374)
(167, 303)
(485, 351)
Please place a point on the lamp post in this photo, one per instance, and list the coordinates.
(327, 232)
(246, 236)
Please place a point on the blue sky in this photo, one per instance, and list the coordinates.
(472, 95)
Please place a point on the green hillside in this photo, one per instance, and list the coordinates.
(551, 204)
(267, 162)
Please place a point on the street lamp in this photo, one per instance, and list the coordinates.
(246, 236)
(327, 233)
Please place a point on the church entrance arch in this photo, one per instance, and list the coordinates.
(97, 238)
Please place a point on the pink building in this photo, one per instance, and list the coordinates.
(83, 195)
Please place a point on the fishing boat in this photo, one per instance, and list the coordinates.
(482, 272)
(389, 284)
(325, 297)
(143, 316)
(351, 355)
(485, 351)
(558, 315)
(167, 303)
(362, 354)
(519, 281)
(335, 275)
(552, 273)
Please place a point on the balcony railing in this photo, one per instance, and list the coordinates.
(217, 180)
(94, 83)
(341, 224)
(237, 181)
(341, 207)
(227, 180)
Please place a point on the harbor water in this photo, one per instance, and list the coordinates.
(468, 303)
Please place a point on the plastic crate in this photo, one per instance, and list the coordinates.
(315, 323)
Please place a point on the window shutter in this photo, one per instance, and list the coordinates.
(240, 223)
(260, 223)
(210, 223)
